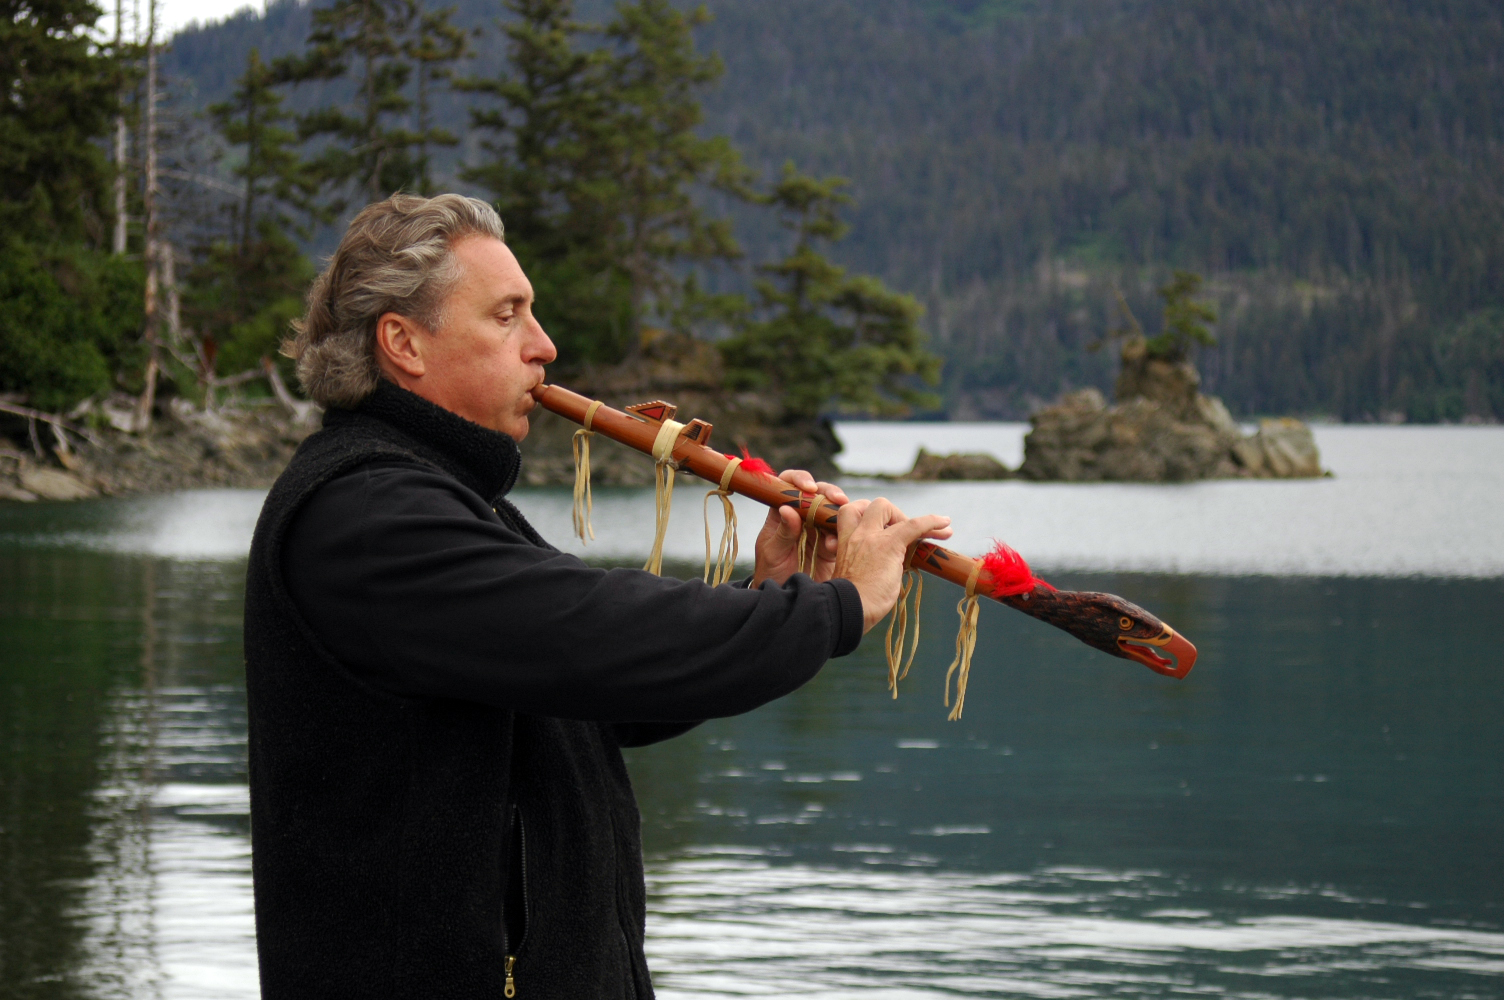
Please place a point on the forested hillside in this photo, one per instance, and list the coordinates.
(1336, 167)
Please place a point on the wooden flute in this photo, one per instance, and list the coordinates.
(1103, 621)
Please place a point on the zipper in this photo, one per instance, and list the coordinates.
(510, 990)
(631, 961)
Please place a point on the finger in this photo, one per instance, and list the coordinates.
(799, 479)
(882, 514)
(790, 524)
(849, 517)
(929, 525)
(832, 492)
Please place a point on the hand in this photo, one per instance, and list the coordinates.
(778, 542)
(873, 539)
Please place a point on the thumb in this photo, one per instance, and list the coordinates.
(790, 524)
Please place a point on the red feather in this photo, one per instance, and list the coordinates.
(755, 464)
(1010, 574)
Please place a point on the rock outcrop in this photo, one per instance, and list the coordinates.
(688, 373)
(1161, 430)
(977, 465)
(186, 448)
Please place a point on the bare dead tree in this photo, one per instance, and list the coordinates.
(120, 169)
(153, 252)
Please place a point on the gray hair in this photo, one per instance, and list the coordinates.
(397, 256)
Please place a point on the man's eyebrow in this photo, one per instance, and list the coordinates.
(514, 299)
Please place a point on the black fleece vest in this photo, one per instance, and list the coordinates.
(388, 832)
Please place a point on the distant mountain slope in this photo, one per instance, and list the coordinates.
(1336, 165)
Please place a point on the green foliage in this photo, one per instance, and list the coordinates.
(370, 149)
(593, 158)
(72, 317)
(821, 337)
(1185, 322)
(1017, 160)
(59, 96)
(240, 299)
(274, 176)
(242, 292)
(1354, 147)
(658, 157)
(546, 166)
(1470, 356)
(434, 48)
(1184, 325)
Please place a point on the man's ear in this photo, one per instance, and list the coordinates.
(399, 346)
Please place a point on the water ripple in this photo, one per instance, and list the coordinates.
(723, 925)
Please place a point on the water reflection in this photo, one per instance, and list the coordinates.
(1315, 811)
(733, 923)
(122, 715)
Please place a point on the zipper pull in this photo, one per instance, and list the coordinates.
(511, 988)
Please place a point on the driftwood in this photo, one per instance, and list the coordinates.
(60, 425)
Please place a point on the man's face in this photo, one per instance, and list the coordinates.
(490, 350)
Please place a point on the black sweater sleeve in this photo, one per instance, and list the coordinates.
(413, 582)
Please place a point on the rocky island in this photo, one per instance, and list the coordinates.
(1162, 429)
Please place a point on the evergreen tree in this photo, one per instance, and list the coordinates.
(548, 172)
(658, 157)
(367, 151)
(243, 290)
(274, 176)
(825, 338)
(72, 311)
(60, 97)
(593, 159)
(1185, 321)
(71, 320)
(434, 49)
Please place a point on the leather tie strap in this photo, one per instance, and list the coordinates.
(584, 504)
(725, 556)
(966, 643)
(809, 537)
(663, 489)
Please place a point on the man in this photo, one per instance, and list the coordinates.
(437, 697)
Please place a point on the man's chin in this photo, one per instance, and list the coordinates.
(517, 427)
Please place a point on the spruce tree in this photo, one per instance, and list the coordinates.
(60, 98)
(274, 176)
(243, 289)
(658, 158)
(548, 170)
(72, 312)
(820, 337)
(1185, 321)
(594, 160)
(434, 48)
(367, 152)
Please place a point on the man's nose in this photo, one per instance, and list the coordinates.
(543, 350)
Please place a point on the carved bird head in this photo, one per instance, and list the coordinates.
(1113, 625)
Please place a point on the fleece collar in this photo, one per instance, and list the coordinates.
(486, 461)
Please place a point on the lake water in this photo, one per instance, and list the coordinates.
(1315, 812)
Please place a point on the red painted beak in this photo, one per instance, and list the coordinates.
(1145, 651)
